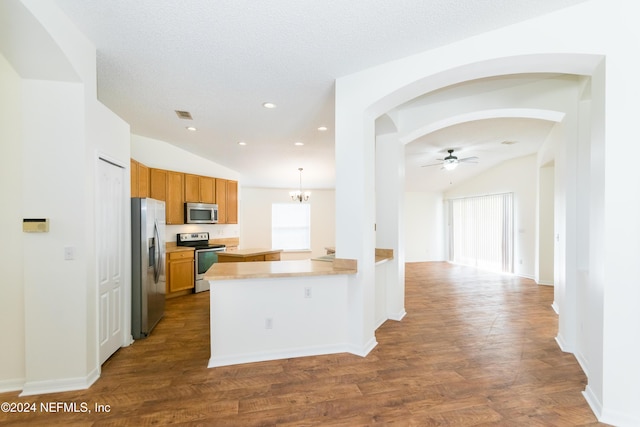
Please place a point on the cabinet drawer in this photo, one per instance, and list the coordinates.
(180, 255)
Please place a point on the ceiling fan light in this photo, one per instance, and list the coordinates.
(450, 165)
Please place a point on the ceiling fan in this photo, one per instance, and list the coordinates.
(451, 162)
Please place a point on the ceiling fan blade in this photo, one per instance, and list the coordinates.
(433, 164)
(473, 159)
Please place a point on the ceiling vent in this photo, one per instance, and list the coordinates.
(185, 115)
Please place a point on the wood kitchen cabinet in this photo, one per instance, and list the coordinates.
(174, 203)
(221, 200)
(176, 188)
(139, 179)
(199, 189)
(180, 271)
(134, 170)
(169, 187)
(232, 202)
(227, 201)
(143, 180)
(158, 181)
(250, 255)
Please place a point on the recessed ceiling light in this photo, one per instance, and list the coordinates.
(242, 143)
(298, 143)
(269, 105)
(322, 128)
(191, 128)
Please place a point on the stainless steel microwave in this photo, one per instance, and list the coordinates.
(200, 213)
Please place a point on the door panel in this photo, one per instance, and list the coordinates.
(109, 224)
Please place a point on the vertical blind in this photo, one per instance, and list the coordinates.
(481, 231)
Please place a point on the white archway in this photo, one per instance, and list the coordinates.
(355, 124)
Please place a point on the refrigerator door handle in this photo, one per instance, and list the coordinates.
(156, 253)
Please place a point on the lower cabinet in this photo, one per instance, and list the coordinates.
(234, 257)
(180, 271)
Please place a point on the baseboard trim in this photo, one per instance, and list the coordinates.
(582, 361)
(563, 344)
(264, 356)
(398, 316)
(618, 419)
(364, 350)
(606, 416)
(555, 308)
(32, 388)
(593, 401)
(15, 384)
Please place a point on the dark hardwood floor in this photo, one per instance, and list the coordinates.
(474, 349)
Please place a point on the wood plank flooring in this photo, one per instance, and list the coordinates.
(475, 349)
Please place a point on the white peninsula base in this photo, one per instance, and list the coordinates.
(283, 309)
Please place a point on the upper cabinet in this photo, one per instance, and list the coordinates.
(221, 200)
(176, 188)
(232, 202)
(139, 179)
(169, 187)
(227, 201)
(199, 189)
(175, 198)
(158, 185)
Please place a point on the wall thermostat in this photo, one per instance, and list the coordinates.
(35, 225)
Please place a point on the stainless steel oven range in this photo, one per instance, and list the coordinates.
(206, 254)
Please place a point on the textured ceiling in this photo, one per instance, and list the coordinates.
(220, 60)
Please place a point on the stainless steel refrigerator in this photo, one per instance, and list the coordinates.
(148, 265)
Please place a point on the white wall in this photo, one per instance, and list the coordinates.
(544, 272)
(517, 176)
(425, 227)
(60, 130)
(12, 366)
(575, 40)
(255, 219)
(162, 155)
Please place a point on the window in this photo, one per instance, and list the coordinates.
(481, 232)
(291, 226)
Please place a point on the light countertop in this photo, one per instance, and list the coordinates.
(382, 255)
(270, 269)
(251, 252)
(179, 249)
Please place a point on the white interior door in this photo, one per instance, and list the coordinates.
(110, 212)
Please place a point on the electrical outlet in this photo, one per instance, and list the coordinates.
(307, 292)
(268, 323)
(69, 253)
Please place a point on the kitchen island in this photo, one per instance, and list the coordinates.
(280, 309)
(250, 255)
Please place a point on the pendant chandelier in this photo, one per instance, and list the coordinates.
(300, 196)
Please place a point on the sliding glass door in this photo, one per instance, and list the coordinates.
(481, 231)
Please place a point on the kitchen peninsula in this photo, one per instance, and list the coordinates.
(250, 255)
(279, 309)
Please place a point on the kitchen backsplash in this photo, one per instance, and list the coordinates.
(216, 231)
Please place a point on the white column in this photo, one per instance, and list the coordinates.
(355, 215)
(390, 218)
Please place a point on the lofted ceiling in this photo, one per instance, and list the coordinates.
(221, 61)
